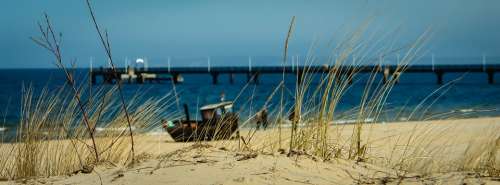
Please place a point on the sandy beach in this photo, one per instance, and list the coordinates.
(440, 146)
(353, 92)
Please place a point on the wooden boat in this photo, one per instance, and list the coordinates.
(218, 122)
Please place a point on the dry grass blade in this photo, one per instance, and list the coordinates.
(107, 47)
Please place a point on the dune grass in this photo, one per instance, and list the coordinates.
(51, 139)
(313, 130)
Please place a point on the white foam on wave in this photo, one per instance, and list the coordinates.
(466, 110)
(351, 121)
(336, 122)
(115, 129)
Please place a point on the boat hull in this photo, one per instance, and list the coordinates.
(183, 131)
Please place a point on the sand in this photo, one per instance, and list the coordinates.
(166, 162)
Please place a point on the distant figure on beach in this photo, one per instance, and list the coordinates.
(291, 116)
(222, 96)
(261, 118)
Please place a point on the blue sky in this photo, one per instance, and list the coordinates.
(160, 28)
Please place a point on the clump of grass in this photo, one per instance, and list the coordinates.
(52, 141)
(321, 101)
(484, 159)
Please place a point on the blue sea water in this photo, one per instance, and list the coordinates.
(469, 96)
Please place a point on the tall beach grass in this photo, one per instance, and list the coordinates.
(76, 127)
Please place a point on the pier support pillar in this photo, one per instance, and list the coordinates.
(129, 79)
(300, 75)
(108, 78)
(491, 77)
(231, 78)
(349, 80)
(439, 75)
(350, 75)
(338, 77)
(140, 78)
(396, 76)
(256, 78)
(253, 77)
(215, 78)
(175, 78)
(92, 78)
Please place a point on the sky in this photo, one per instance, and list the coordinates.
(157, 29)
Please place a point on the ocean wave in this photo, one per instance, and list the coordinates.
(466, 110)
(474, 110)
(352, 121)
(288, 124)
(114, 129)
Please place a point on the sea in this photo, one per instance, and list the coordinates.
(468, 95)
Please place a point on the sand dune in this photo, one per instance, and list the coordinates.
(222, 162)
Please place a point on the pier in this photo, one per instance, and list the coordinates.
(174, 74)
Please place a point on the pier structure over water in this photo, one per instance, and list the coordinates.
(157, 74)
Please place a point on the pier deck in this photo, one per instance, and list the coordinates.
(142, 75)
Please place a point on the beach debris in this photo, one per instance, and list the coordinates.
(206, 161)
(261, 173)
(298, 181)
(239, 179)
(247, 156)
(118, 175)
(85, 169)
(281, 151)
(296, 152)
(200, 145)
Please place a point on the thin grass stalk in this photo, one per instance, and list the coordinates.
(107, 47)
(285, 57)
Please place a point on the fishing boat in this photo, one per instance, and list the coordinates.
(218, 122)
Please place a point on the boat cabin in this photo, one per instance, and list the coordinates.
(216, 111)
